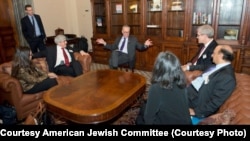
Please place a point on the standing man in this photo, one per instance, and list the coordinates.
(124, 48)
(33, 30)
(203, 59)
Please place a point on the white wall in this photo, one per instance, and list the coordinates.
(74, 16)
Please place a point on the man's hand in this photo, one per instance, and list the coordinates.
(185, 67)
(83, 53)
(101, 41)
(148, 43)
(191, 112)
(52, 75)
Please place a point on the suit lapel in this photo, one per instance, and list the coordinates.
(129, 45)
(207, 50)
(28, 21)
(214, 74)
(71, 53)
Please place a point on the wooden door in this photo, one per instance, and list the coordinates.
(9, 36)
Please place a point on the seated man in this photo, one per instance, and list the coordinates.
(124, 48)
(203, 57)
(209, 91)
(60, 58)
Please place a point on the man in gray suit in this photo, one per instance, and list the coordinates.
(124, 48)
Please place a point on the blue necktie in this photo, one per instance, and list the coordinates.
(209, 69)
(34, 26)
(123, 44)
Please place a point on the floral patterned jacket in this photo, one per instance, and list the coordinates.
(29, 78)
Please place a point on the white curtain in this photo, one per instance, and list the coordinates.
(19, 12)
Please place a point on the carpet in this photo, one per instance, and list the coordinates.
(128, 117)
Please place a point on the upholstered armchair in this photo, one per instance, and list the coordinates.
(11, 90)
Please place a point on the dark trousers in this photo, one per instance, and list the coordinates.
(37, 44)
(75, 69)
(118, 58)
(140, 117)
(42, 86)
(192, 96)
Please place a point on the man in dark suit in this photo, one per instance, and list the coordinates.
(124, 48)
(33, 30)
(209, 91)
(60, 58)
(203, 57)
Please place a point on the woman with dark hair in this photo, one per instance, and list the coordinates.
(167, 101)
(32, 79)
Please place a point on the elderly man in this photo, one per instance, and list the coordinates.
(60, 58)
(203, 57)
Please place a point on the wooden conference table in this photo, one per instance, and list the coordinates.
(95, 97)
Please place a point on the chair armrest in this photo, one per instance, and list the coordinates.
(10, 87)
(6, 67)
(85, 61)
(191, 75)
(41, 63)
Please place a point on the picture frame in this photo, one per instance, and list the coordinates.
(118, 8)
(155, 5)
(133, 8)
(177, 5)
(99, 21)
(231, 34)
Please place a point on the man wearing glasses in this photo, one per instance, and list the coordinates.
(124, 48)
(203, 59)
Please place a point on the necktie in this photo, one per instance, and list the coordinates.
(123, 44)
(197, 55)
(209, 69)
(66, 59)
(34, 26)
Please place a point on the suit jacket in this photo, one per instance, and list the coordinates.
(133, 44)
(212, 95)
(28, 30)
(206, 58)
(51, 54)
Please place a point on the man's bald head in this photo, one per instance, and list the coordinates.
(223, 53)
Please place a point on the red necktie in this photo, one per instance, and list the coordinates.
(66, 59)
(197, 56)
